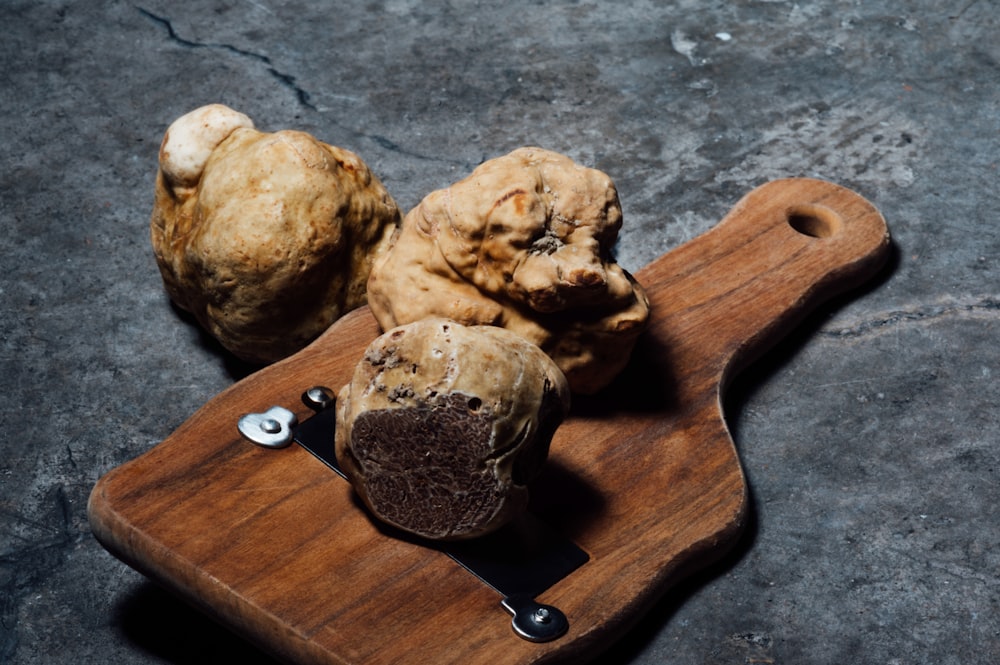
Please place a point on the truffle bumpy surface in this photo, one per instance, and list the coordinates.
(524, 243)
(266, 238)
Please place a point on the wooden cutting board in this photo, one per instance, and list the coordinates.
(644, 477)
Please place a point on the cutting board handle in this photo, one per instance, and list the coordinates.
(782, 249)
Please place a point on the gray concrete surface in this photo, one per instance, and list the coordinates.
(870, 437)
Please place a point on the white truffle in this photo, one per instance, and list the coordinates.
(443, 426)
(523, 243)
(266, 238)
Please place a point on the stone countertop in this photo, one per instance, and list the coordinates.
(870, 437)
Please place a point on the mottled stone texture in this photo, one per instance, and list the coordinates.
(871, 437)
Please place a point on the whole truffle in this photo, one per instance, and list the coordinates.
(523, 243)
(267, 238)
(443, 426)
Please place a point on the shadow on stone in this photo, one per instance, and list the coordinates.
(163, 626)
(236, 368)
(634, 643)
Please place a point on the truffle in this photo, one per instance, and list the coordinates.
(266, 238)
(522, 243)
(443, 426)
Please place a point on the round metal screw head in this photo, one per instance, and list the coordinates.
(271, 429)
(533, 621)
(270, 425)
(318, 398)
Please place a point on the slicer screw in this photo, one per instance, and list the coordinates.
(318, 398)
(533, 621)
(271, 429)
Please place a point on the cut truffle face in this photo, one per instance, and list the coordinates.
(266, 238)
(443, 426)
(523, 243)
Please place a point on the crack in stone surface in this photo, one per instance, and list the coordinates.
(286, 80)
(983, 305)
(304, 98)
(392, 146)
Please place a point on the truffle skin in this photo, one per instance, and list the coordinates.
(443, 426)
(266, 238)
(523, 243)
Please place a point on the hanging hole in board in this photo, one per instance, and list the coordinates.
(814, 221)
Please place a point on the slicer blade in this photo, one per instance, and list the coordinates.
(521, 560)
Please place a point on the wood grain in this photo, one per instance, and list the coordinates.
(644, 477)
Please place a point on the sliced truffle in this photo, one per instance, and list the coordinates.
(443, 426)
(266, 238)
(523, 243)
